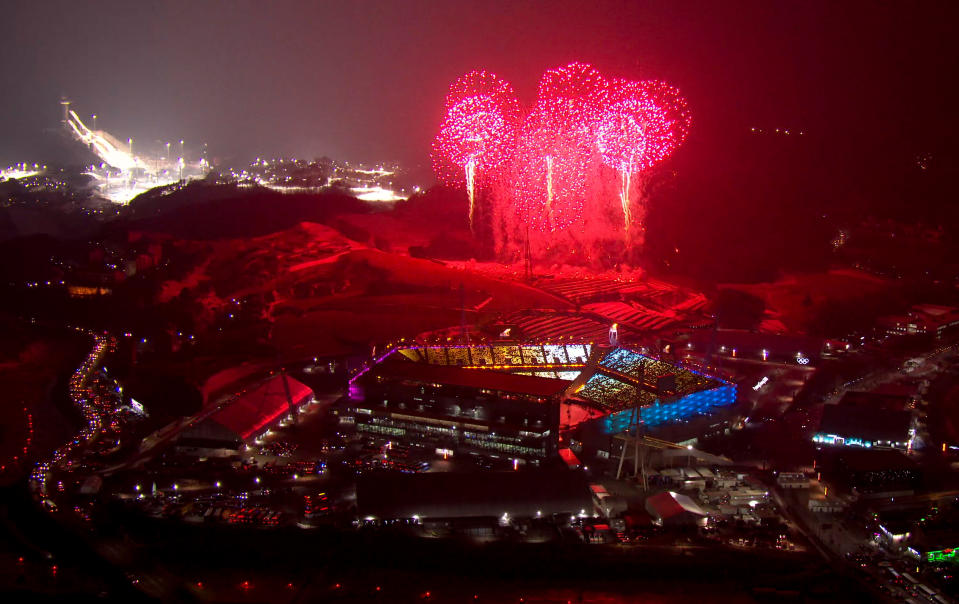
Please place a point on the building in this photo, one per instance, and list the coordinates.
(863, 426)
(821, 503)
(894, 530)
(935, 546)
(244, 418)
(922, 319)
(792, 480)
(458, 410)
(506, 399)
(630, 387)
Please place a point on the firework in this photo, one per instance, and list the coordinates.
(555, 147)
(642, 124)
(571, 97)
(545, 168)
(549, 178)
(478, 132)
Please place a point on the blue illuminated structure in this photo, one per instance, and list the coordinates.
(626, 383)
(697, 403)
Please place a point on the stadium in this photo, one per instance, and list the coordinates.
(513, 400)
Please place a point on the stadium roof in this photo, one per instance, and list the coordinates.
(866, 423)
(471, 378)
(259, 407)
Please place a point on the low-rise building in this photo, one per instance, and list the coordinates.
(792, 480)
(246, 417)
(922, 319)
(822, 503)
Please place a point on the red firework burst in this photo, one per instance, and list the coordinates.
(478, 133)
(556, 146)
(642, 125)
(571, 97)
(580, 118)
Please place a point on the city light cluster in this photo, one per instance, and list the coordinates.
(582, 149)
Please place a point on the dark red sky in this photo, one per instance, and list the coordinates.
(365, 80)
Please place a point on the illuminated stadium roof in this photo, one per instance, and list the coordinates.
(502, 356)
(625, 379)
(456, 376)
(608, 379)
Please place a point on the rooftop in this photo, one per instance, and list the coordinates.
(398, 368)
(612, 379)
(260, 406)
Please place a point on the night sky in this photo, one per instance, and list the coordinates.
(365, 80)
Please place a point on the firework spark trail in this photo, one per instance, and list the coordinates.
(471, 187)
(624, 199)
(549, 189)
